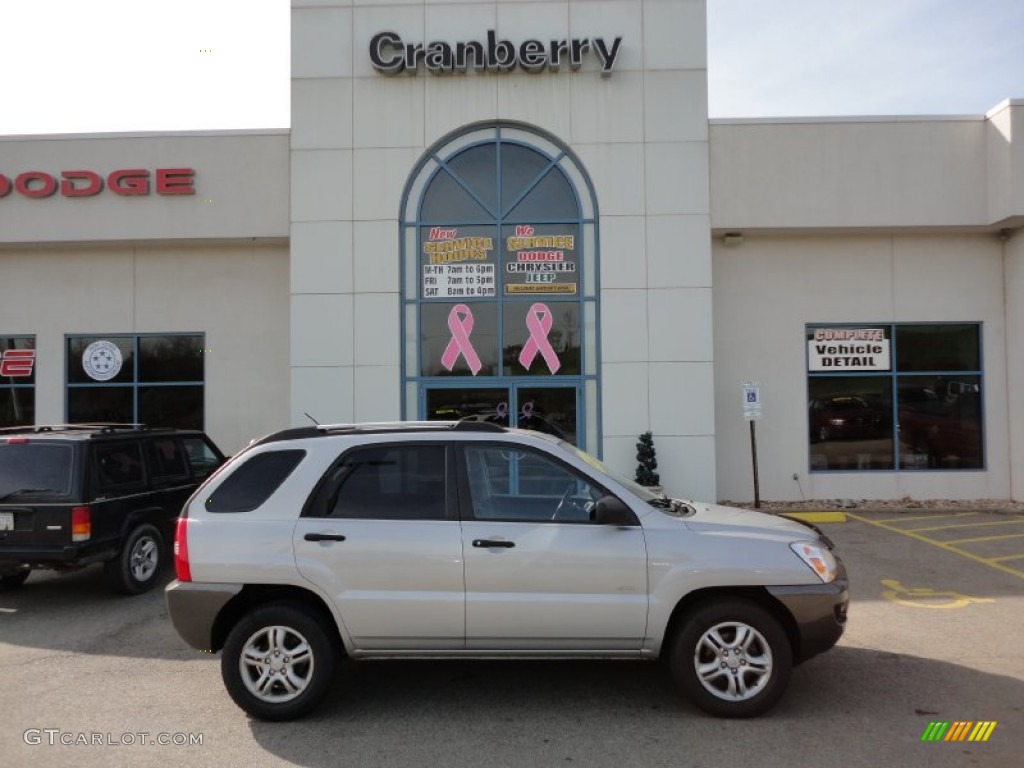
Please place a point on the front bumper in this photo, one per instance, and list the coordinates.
(194, 608)
(819, 611)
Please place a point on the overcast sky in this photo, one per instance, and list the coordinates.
(74, 66)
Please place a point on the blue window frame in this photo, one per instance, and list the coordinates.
(885, 396)
(500, 284)
(152, 379)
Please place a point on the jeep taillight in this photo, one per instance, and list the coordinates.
(181, 569)
(81, 524)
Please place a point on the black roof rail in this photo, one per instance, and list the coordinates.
(105, 427)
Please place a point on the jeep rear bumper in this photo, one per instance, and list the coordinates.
(66, 555)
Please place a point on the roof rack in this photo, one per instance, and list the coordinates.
(104, 427)
(463, 425)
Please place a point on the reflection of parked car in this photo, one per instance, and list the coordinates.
(947, 430)
(74, 495)
(839, 417)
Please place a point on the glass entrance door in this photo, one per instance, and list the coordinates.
(552, 410)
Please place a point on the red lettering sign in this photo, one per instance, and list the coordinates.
(26, 182)
(174, 181)
(129, 181)
(92, 183)
(17, 362)
(82, 183)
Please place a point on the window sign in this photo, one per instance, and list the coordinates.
(17, 380)
(540, 259)
(848, 349)
(457, 262)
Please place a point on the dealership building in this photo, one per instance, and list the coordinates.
(520, 212)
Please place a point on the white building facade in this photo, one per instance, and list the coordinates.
(519, 212)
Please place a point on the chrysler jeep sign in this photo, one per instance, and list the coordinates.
(390, 54)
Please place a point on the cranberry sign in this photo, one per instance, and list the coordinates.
(127, 182)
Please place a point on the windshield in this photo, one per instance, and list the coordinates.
(34, 467)
(644, 493)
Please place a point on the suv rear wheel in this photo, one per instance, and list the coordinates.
(278, 662)
(135, 568)
(731, 658)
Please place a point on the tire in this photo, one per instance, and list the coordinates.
(731, 658)
(14, 580)
(135, 569)
(277, 686)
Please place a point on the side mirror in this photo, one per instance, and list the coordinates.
(612, 511)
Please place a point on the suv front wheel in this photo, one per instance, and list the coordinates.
(731, 658)
(278, 662)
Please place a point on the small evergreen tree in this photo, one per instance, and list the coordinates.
(646, 462)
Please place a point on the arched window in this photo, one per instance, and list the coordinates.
(500, 284)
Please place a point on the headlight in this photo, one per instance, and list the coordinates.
(818, 559)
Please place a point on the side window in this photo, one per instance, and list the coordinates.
(385, 482)
(166, 458)
(251, 484)
(202, 458)
(118, 464)
(512, 484)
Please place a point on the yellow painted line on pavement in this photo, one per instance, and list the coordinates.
(910, 519)
(1008, 557)
(817, 517)
(1019, 521)
(991, 563)
(988, 538)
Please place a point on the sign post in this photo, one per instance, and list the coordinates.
(752, 414)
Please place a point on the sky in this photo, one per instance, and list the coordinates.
(84, 66)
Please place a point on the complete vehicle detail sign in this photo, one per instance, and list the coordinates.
(390, 54)
(848, 349)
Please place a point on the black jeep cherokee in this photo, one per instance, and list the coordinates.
(71, 495)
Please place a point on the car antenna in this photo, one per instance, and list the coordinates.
(317, 423)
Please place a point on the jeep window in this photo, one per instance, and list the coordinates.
(27, 466)
(118, 464)
(509, 483)
(387, 482)
(201, 456)
(166, 458)
(251, 484)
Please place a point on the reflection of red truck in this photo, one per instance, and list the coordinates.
(843, 417)
(946, 429)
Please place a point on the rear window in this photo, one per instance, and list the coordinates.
(34, 467)
(251, 484)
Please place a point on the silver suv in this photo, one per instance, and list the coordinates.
(467, 539)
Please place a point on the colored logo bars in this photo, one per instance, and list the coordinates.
(959, 730)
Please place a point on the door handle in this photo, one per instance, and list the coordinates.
(486, 543)
(324, 537)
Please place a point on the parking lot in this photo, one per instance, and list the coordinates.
(936, 634)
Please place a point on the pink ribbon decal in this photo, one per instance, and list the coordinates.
(460, 323)
(538, 322)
